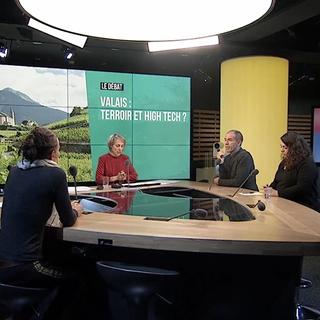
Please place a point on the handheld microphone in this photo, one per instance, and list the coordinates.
(198, 212)
(73, 172)
(218, 145)
(261, 206)
(254, 172)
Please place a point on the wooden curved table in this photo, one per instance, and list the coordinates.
(284, 228)
(229, 270)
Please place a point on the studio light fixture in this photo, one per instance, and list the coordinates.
(68, 54)
(182, 44)
(145, 20)
(74, 39)
(4, 51)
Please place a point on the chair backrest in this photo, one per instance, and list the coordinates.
(132, 279)
(9, 291)
(138, 284)
(19, 300)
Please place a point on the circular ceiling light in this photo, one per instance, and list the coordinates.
(146, 20)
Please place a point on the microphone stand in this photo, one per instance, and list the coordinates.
(128, 178)
(217, 161)
(75, 187)
(245, 180)
(73, 171)
(127, 164)
(261, 206)
(195, 211)
(128, 183)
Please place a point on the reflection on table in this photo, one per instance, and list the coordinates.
(170, 202)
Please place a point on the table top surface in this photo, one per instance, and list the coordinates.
(224, 224)
(283, 228)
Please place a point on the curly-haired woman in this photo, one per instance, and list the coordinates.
(32, 188)
(297, 174)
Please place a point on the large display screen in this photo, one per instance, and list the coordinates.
(85, 107)
(316, 135)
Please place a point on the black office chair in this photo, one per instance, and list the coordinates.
(138, 284)
(23, 303)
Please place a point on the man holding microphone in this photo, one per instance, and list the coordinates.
(235, 163)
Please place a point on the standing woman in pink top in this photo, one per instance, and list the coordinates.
(115, 165)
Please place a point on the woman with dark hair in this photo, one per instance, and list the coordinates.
(297, 174)
(115, 165)
(33, 188)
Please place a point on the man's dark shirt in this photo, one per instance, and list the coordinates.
(29, 196)
(236, 168)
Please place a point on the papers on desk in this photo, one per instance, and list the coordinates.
(0, 204)
(79, 189)
(148, 183)
(251, 193)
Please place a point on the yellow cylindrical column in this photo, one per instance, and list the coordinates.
(254, 100)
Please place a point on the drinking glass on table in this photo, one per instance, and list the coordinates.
(105, 182)
(267, 192)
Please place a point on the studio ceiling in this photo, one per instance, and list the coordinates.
(291, 30)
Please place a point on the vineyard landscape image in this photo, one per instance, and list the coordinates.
(39, 97)
(84, 108)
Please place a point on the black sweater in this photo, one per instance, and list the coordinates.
(298, 184)
(29, 197)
